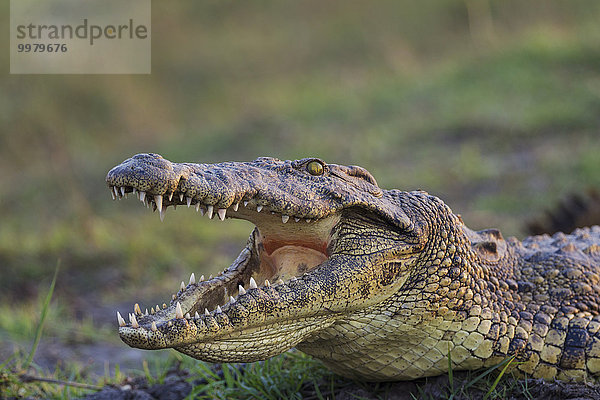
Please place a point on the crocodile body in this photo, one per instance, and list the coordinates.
(577, 210)
(378, 284)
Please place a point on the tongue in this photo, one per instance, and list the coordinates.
(290, 260)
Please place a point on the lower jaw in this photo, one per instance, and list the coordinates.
(283, 263)
(257, 343)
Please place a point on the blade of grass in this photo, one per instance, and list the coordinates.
(118, 376)
(450, 374)
(493, 387)
(207, 372)
(332, 387)
(227, 375)
(8, 360)
(489, 371)
(30, 378)
(40, 325)
(318, 391)
(147, 372)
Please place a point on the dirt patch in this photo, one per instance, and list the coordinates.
(174, 386)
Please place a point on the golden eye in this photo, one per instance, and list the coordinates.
(315, 168)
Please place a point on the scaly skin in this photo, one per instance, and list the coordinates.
(579, 209)
(378, 284)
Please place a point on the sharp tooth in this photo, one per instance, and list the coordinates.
(178, 311)
(120, 319)
(245, 203)
(122, 190)
(157, 308)
(161, 213)
(187, 315)
(182, 286)
(152, 310)
(142, 197)
(252, 283)
(279, 281)
(219, 309)
(181, 197)
(192, 279)
(134, 190)
(201, 278)
(231, 299)
(222, 212)
(196, 315)
(307, 220)
(169, 324)
(134, 323)
(241, 289)
(259, 208)
(188, 200)
(146, 313)
(285, 218)
(158, 201)
(236, 206)
(267, 283)
(202, 212)
(197, 206)
(210, 211)
(173, 297)
(153, 326)
(210, 277)
(112, 194)
(137, 309)
(116, 192)
(164, 306)
(170, 196)
(293, 278)
(296, 219)
(206, 312)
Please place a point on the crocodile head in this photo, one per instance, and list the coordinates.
(328, 243)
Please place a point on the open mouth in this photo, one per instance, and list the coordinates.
(281, 248)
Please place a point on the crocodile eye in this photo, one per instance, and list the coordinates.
(315, 168)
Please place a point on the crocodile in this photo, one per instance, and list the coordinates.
(380, 285)
(579, 209)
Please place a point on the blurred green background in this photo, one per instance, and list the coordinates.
(494, 106)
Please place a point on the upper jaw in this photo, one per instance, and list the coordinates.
(217, 189)
(245, 205)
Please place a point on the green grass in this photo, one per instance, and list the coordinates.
(291, 375)
(18, 371)
(288, 376)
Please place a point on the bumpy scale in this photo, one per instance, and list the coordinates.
(378, 284)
